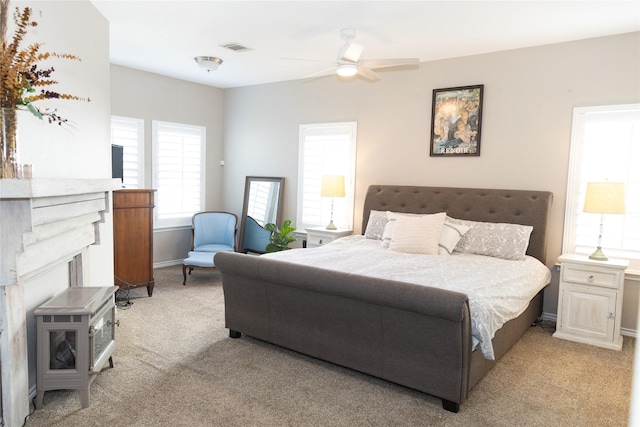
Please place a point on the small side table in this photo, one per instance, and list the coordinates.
(590, 301)
(319, 236)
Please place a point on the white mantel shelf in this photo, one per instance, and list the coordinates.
(37, 188)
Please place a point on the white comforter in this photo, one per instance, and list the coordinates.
(498, 290)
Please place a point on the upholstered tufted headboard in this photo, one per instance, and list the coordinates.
(476, 204)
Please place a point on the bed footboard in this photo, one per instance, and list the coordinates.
(415, 336)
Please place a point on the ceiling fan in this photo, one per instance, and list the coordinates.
(349, 63)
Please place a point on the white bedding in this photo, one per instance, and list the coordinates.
(498, 290)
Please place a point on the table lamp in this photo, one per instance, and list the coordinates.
(332, 186)
(603, 198)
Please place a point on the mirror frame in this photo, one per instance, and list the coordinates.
(245, 204)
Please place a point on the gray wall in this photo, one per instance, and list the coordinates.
(151, 97)
(529, 99)
(526, 129)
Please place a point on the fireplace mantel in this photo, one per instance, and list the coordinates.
(44, 223)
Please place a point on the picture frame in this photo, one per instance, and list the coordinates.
(456, 121)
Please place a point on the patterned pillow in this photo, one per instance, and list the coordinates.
(506, 241)
(376, 224)
(392, 217)
(451, 235)
(417, 234)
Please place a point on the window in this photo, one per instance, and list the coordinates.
(178, 172)
(605, 146)
(326, 149)
(129, 133)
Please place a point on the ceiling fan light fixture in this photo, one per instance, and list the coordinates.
(209, 63)
(347, 70)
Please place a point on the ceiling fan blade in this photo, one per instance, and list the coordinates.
(386, 63)
(368, 73)
(323, 72)
(351, 53)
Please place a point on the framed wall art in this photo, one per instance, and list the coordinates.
(456, 119)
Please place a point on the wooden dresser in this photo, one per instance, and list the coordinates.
(133, 239)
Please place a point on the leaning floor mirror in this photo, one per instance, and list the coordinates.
(262, 205)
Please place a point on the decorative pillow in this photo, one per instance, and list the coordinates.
(417, 234)
(376, 224)
(451, 235)
(392, 217)
(506, 241)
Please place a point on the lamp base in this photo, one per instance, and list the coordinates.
(598, 255)
(331, 226)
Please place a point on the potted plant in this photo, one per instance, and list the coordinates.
(280, 238)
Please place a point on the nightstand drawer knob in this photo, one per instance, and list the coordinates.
(611, 316)
(320, 241)
(590, 278)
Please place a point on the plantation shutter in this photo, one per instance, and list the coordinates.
(605, 146)
(178, 172)
(129, 133)
(326, 149)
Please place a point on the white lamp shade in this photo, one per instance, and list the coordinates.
(332, 186)
(604, 198)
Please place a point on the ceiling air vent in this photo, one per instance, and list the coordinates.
(236, 47)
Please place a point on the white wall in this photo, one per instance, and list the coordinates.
(149, 96)
(80, 149)
(526, 128)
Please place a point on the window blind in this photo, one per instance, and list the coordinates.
(129, 133)
(326, 149)
(178, 172)
(605, 146)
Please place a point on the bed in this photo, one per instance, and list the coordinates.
(418, 336)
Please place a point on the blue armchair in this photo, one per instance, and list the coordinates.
(211, 232)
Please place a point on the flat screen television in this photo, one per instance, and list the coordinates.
(116, 162)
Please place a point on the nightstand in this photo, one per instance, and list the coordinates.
(319, 236)
(590, 301)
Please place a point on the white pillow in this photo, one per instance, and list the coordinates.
(392, 217)
(417, 234)
(451, 235)
(375, 225)
(500, 240)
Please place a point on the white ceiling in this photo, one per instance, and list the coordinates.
(291, 39)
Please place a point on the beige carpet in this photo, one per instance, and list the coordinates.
(176, 366)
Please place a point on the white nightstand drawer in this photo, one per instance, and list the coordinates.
(317, 240)
(321, 236)
(605, 278)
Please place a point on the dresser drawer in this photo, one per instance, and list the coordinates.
(605, 278)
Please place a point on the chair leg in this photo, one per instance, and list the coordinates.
(184, 275)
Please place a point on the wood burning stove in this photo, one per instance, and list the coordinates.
(76, 339)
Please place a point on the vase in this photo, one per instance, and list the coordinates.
(9, 164)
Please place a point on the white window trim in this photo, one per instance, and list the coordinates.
(139, 123)
(575, 190)
(183, 220)
(349, 175)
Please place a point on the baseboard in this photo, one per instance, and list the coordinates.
(549, 316)
(623, 331)
(167, 263)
